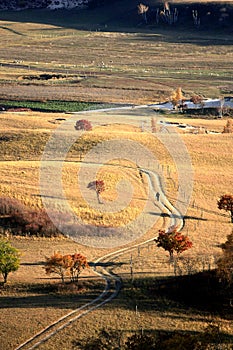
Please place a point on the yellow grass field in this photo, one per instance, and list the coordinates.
(25, 309)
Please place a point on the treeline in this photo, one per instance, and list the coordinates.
(199, 15)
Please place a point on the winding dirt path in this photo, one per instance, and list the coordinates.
(113, 282)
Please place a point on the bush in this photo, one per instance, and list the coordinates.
(83, 124)
(9, 206)
(22, 220)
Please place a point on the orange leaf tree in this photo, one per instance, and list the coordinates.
(66, 265)
(79, 263)
(173, 241)
(177, 97)
(226, 203)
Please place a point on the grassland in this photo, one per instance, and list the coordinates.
(34, 292)
(120, 63)
(109, 60)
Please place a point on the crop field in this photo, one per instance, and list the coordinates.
(53, 62)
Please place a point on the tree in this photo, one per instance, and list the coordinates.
(98, 186)
(173, 241)
(83, 124)
(79, 263)
(58, 264)
(177, 97)
(228, 129)
(197, 99)
(226, 203)
(142, 10)
(9, 259)
(66, 265)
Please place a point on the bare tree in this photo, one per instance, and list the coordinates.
(196, 19)
(142, 10)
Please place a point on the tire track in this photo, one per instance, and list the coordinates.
(113, 283)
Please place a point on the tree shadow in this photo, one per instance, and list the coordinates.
(160, 338)
(55, 295)
(112, 17)
(185, 217)
(12, 31)
(201, 292)
(106, 264)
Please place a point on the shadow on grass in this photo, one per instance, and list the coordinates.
(54, 295)
(152, 339)
(186, 217)
(124, 17)
(201, 291)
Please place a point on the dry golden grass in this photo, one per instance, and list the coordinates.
(206, 227)
(112, 66)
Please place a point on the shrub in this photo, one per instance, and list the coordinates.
(22, 220)
(9, 206)
(83, 124)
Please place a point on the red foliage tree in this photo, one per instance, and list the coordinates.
(83, 124)
(226, 203)
(99, 187)
(173, 241)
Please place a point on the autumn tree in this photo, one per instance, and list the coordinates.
(79, 263)
(9, 259)
(177, 97)
(226, 203)
(98, 186)
(66, 265)
(142, 10)
(197, 99)
(228, 128)
(83, 124)
(173, 241)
